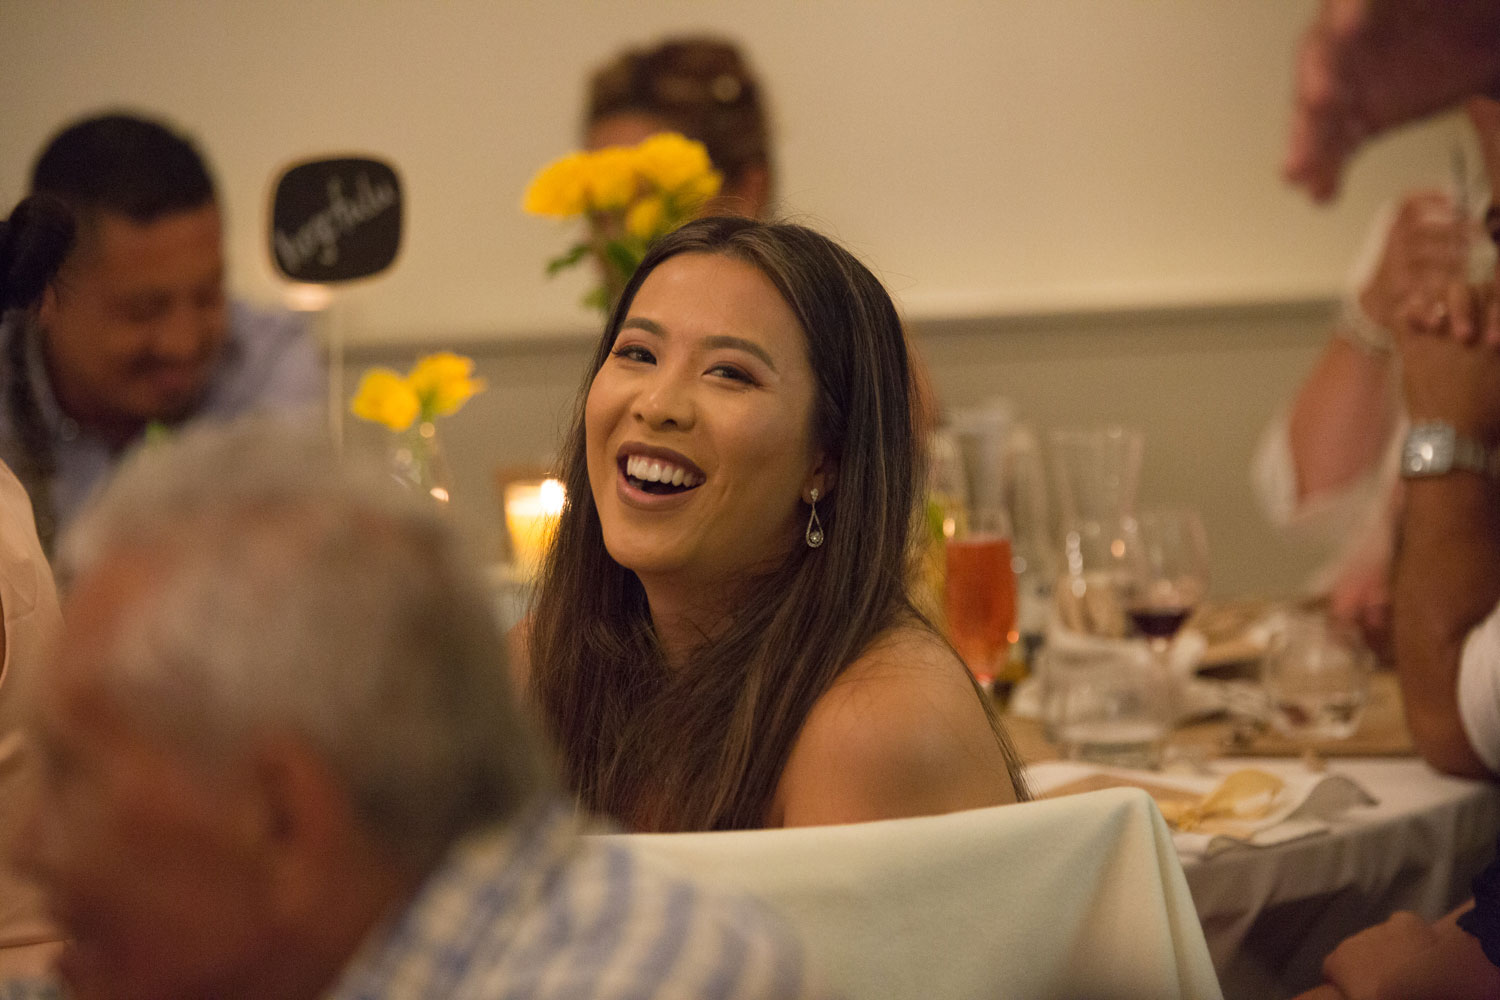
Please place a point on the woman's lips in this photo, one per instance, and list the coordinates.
(656, 453)
(655, 470)
(649, 495)
(650, 474)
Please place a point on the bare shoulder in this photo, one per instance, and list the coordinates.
(902, 732)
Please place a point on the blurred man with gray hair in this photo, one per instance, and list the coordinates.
(283, 760)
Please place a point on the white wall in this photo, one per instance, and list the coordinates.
(1077, 201)
(985, 156)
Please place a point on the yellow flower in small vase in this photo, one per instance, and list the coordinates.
(384, 397)
(442, 383)
(409, 405)
(630, 196)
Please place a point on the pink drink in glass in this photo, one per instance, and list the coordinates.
(980, 602)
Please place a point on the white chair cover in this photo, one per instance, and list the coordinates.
(1080, 897)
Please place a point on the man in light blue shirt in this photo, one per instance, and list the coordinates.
(137, 329)
(282, 760)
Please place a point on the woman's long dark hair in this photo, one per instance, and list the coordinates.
(703, 748)
(34, 240)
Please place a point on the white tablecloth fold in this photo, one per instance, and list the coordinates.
(1305, 804)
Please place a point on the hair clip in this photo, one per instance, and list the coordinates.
(725, 88)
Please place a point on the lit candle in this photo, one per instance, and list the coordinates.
(531, 513)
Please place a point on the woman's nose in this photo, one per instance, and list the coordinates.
(666, 403)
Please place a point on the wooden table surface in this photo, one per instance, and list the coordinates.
(1382, 733)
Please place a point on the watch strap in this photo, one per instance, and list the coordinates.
(1434, 448)
(1473, 456)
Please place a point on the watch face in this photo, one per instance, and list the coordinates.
(1428, 451)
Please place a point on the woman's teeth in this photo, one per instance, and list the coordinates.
(652, 470)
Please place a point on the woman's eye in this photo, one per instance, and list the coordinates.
(731, 372)
(633, 352)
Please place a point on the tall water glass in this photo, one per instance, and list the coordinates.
(1095, 473)
(1033, 545)
(1091, 591)
(1109, 702)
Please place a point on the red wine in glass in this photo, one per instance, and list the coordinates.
(1156, 621)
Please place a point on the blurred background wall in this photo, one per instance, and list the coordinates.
(1076, 202)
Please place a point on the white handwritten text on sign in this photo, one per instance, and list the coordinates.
(336, 220)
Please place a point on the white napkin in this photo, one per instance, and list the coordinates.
(1305, 805)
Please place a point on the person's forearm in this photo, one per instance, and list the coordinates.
(1326, 991)
(1447, 580)
(1341, 419)
(1455, 968)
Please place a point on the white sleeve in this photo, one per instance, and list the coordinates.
(1273, 469)
(1479, 690)
(1329, 517)
(1273, 473)
(1362, 269)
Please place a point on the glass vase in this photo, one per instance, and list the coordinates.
(419, 461)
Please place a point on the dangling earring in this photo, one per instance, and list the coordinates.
(814, 533)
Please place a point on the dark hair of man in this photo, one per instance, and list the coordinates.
(700, 86)
(125, 164)
(703, 748)
(112, 163)
(33, 244)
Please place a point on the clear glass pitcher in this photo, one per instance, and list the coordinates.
(1095, 473)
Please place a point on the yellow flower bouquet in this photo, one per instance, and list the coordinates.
(631, 196)
(437, 385)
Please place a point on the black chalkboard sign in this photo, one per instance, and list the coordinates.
(336, 220)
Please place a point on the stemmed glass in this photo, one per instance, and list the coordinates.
(1166, 574)
(980, 592)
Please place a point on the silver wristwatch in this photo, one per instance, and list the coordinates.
(1436, 449)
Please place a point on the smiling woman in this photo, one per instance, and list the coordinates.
(722, 637)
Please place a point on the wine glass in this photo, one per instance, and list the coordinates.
(1166, 575)
(979, 592)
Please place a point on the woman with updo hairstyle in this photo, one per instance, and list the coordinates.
(33, 242)
(722, 635)
(702, 87)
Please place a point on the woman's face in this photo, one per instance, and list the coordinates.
(699, 426)
(624, 129)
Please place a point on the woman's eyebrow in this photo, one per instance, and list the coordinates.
(748, 346)
(642, 323)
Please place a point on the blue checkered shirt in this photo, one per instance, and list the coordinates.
(535, 911)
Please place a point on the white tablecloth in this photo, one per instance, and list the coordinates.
(1272, 913)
